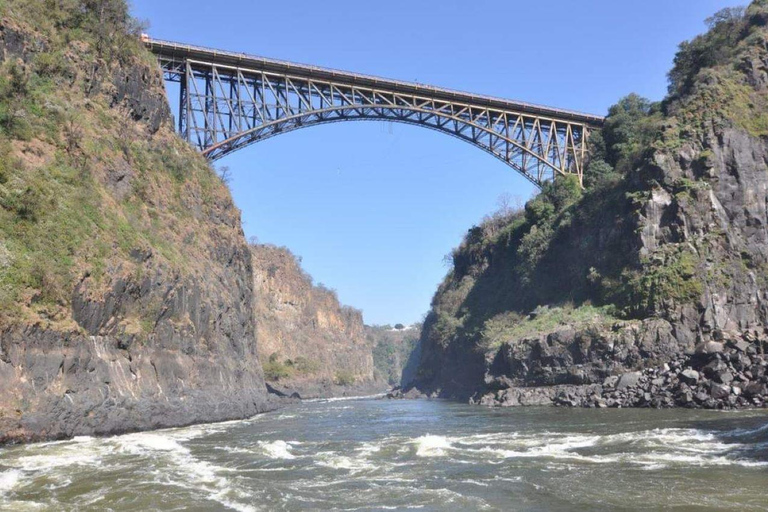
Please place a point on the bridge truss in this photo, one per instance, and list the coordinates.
(228, 101)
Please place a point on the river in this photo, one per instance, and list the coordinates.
(373, 454)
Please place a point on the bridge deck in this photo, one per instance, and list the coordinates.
(181, 52)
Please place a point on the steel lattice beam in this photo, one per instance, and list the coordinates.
(229, 101)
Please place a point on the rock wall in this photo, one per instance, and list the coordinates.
(308, 342)
(142, 316)
(721, 222)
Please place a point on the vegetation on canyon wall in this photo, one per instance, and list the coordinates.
(83, 186)
(392, 347)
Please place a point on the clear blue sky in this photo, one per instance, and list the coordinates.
(373, 207)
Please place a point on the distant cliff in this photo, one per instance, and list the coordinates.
(393, 351)
(308, 342)
(125, 280)
(646, 289)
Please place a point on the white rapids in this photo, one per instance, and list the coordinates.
(398, 455)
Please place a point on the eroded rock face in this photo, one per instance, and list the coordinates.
(56, 387)
(722, 218)
(160, 352)
(679, 358)
(734, 377)
(138, 90)
(317, 347)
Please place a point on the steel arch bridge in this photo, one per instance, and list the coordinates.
(230, 100)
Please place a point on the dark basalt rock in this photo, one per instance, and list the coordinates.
(141, 93)
(409, 393)
(708, 381)
(16, 44)
(628, 380)
(109, 381)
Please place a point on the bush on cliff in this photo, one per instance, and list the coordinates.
(344, 378)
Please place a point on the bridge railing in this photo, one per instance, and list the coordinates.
(163, 47)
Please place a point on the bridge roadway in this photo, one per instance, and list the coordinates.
(236, 87)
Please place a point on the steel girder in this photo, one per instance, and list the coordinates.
(223, 108)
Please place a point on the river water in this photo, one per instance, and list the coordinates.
(373, 454)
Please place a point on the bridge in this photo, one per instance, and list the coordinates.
(228, 101)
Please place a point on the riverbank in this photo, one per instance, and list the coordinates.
(718, 375)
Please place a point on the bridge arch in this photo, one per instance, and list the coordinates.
(228, 101)
(447, 124)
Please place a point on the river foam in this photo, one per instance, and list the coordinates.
(657, 448)
(9, 479)
(277, 449)
(432, 446)
(346, 398)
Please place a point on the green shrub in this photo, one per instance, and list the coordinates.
(511, 326)
(714, 47)
(8, 165)
(539, 209)
(275, 370)
(26, 202)
(49, 63)
(305, 366)
(672, 277)
(344, 378)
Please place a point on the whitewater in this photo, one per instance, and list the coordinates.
(378, 454)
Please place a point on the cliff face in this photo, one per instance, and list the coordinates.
(655, 271)
(125, 280)
(308, 342)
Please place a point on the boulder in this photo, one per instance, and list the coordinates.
(488, 400)
(689, 376)
(740, 345)
(724, 377)
(629, 379)
(509, 399)
(710, 347)
(719, 391)
(755, 389)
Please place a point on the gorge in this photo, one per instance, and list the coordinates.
(153, 358)
(129, 299)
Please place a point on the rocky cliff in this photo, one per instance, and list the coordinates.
(646, 289)
(308, 342)
(125, 280)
